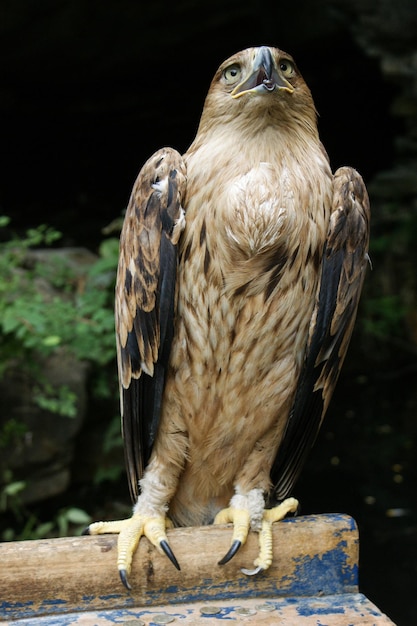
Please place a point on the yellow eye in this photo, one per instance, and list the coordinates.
(232, 74)
(287, 68)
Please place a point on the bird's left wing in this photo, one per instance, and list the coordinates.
(342, 273)
(145, 301)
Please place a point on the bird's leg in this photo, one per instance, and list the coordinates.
(276, 514)
(245, 512)
(248, 512)
(148, 519)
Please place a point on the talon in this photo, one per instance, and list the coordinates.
(123, 578)
(252, 572)
(167, 549)
(231, 553)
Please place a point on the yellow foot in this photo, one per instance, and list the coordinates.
(130, 531)
(241, 523)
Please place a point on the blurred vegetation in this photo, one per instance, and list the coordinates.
(389, 303)
(31, 527)
(46, 305)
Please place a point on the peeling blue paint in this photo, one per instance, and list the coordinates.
(5, 605)
(55, 602)
(321, 609)
(112, 596)
(88, 599)
(329, 573)
(21, 610)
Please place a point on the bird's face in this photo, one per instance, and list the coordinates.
(260, 71)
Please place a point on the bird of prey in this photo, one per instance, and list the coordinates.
(240, 271)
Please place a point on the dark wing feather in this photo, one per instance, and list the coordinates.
(342, 273)
(145, 302)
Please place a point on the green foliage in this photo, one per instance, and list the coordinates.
(61, 401)
(46, 305)
(10, 432)
(72, 517)
(389, 299)
(52, 304)
(9, 493)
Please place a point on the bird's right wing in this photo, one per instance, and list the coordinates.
(343, 269)
(145, 302)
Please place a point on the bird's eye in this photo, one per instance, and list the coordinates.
(287, 68)
(232, 74)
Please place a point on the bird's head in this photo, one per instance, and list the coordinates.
(257, 81)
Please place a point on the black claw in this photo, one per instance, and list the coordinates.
(86, 531)
(123, 578)
(231, 553)
(167, 549)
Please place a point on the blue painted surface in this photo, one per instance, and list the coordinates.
(329, 573)
(356, 607)
(339, 604)
(14, 610)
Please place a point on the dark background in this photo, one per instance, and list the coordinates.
(89, 89)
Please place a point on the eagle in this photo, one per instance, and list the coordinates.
(240, 271)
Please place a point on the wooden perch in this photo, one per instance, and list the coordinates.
(314, 557)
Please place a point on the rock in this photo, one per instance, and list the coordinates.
(41, 451)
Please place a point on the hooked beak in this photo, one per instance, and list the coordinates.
(265, 76)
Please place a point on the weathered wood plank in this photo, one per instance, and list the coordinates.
(313, 556)
(340, 610)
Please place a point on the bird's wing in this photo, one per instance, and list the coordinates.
(145, 301)
(342, 273)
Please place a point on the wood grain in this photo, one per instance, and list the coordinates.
(313, 556)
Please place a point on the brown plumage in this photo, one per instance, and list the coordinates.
(241, 266)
